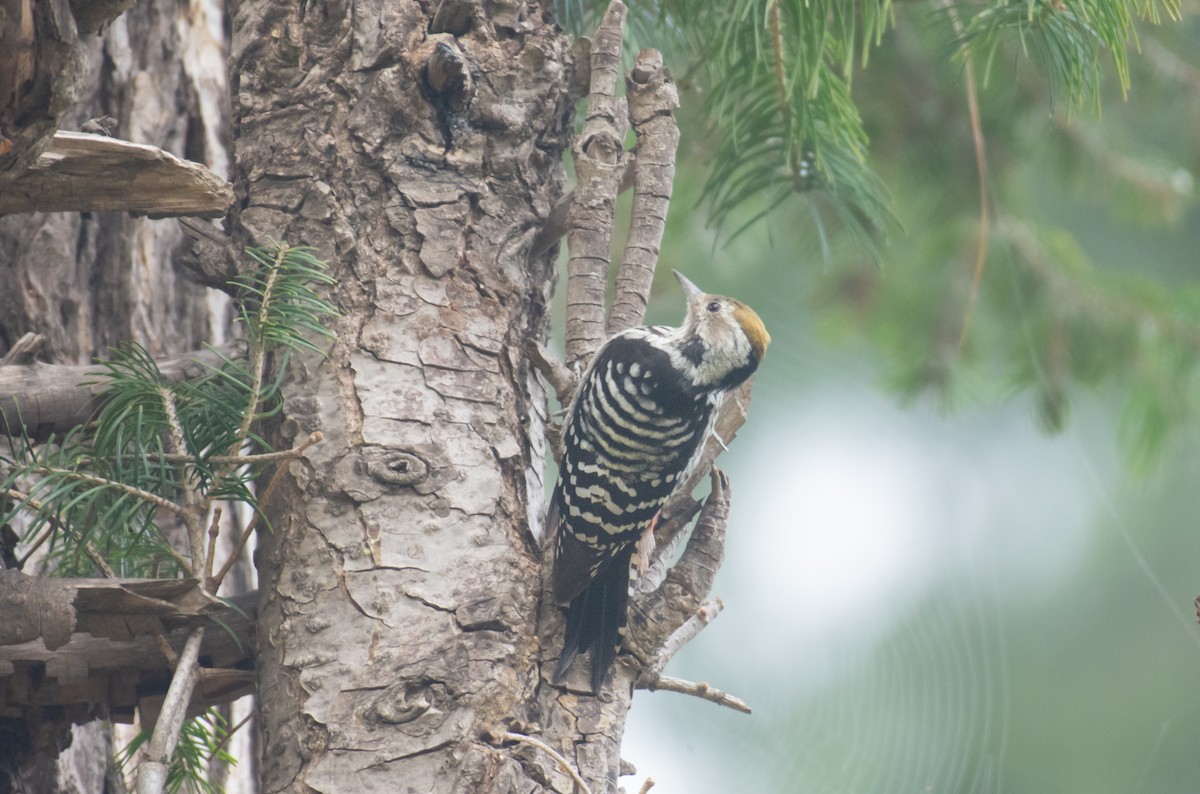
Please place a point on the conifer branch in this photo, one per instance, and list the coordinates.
(54, 525)
(981, 170)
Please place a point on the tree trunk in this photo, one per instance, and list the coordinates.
(418, 147)
(86, 281)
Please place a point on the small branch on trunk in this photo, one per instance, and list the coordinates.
(214, 584)
(649, 784)
(211, 257)
(560, 214)
(697, 689)
(509, 736)
(653, 100)
(597, 167)
(706, 614)
(561, 379)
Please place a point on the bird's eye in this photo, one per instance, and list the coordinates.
(714, 306)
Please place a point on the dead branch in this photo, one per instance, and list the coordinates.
(211, 257)
(42, 70)
(698, 689)
(509, 736)
(54, 609)
(88, 646)
(156, 763)
(24, 350)
(657, 617)
(80, 172)
(706, 614)
(52, 398)
(560, 214)
(561, 379)
(597, 164)
(653, 100)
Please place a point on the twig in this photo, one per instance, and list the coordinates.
(167, 651)
(152, 772)
(653, 100)
(597, 156)
(649, 784)
(172, 457)
(53, 523)
(550, 751)
(982, 170)
(785, 105)
(214, 529)
(145, 496)
(257, 520)
(192, 509)
(258, 353)
(561, 379)
(697, 689)
(691, 627)
(560, 214)
(229, 735)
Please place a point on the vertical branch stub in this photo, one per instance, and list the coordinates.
(653, 99)
(597, 168)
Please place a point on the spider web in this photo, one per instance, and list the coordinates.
(922, 604)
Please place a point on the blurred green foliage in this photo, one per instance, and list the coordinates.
(1080, 270)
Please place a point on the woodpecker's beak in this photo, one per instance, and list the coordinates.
(689, 289)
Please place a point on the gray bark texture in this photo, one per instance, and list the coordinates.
(86, 281)
(405, 634)
(418, 147)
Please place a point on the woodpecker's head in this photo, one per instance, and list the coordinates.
(723, 338)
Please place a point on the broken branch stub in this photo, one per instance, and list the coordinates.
(597, 168)
(653, 99)
(80, 172)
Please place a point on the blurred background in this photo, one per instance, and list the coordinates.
(963, 550)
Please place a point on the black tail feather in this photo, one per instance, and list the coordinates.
(596, 621)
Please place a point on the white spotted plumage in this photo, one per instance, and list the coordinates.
(635, 431)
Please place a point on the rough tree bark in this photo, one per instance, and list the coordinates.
(85, 281)
(405, 640)
(405, 634)
(419, 148)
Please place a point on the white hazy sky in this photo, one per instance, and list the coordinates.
(847, 516)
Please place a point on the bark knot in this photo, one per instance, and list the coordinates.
(399, 468)
(367, 474)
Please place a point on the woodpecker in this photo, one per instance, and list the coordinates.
(634, 432)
